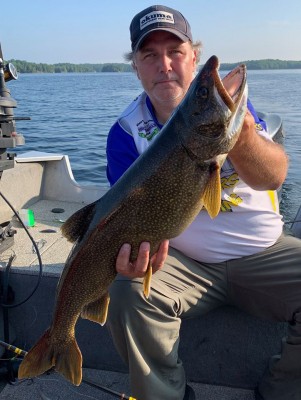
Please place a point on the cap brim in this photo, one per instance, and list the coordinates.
(180, 35)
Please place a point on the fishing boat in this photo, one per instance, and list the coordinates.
(38, 193)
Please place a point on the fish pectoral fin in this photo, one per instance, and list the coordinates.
(97, 311)
(147, 280)
(65, 358)
(212, 195)
(76, 226)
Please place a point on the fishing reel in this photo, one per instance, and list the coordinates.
(10, 72)
(9, 137)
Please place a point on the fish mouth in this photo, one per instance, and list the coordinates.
(232, 87)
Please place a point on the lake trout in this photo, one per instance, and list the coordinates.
(155, 199)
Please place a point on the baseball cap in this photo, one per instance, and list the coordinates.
(158, 18)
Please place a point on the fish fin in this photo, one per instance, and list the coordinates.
(76, 226)
(147, 280)
(69, 362)
(44, 355)
(38, 360)
(97, 311)
(212, 195)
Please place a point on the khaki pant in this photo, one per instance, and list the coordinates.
(146, 332)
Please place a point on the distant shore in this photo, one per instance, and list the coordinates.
(30, 67)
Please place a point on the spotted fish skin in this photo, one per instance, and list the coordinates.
(155, 199)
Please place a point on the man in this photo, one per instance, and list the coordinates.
(240, 257)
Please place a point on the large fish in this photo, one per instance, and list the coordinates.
(156, 198)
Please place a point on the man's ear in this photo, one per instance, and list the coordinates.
(135, 69)
(194, 59)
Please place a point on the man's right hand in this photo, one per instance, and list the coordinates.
(138, 268)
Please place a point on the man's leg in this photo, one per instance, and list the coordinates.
(268, 285)
(146, 331)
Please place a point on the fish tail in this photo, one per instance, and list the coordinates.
(69, 362)
(66, 358)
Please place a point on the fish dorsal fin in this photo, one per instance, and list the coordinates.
(212, 195)
(76, 226)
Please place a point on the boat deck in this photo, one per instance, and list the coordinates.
(53, 247)
(54, 387)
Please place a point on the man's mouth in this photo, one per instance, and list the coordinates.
(165, 81)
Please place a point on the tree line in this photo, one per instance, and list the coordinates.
(264, 64)
(30, 67)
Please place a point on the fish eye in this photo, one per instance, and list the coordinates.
(202, 92)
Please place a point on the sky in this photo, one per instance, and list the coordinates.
(97, 31)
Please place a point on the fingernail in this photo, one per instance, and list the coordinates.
(145, 246)
(126, 247)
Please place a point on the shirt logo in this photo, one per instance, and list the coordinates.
(156, 16)
(147, 129)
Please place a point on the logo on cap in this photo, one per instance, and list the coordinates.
(156, 16)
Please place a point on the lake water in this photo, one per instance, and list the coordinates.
(72, 114)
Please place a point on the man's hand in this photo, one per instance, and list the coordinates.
(137, 269)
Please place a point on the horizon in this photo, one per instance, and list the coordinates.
(128, 63)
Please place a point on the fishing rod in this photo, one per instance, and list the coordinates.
(23, 353)
(105, 389)
(12, 348)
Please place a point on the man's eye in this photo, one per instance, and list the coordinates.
(176, 51)
(149, 55)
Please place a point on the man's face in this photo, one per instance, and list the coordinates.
(165, 65)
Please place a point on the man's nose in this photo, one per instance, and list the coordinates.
(164, 63)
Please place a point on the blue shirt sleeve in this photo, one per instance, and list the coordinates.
(258, 121)
(121, 152)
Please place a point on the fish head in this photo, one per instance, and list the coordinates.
(213, 111)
